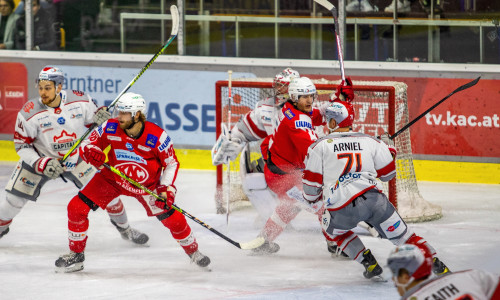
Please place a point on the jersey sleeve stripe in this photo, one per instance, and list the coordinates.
(253, 127)
(387, 172)
(313, 177)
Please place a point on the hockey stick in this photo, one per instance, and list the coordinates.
(175, 28)
(326, 4)
(229, 100)
(460, 88)
(245, 246)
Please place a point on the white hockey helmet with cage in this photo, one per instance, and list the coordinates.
(54, 74)
(132, 103)
(417, 261)
(342, 112)
(284, 77)
(300, 87)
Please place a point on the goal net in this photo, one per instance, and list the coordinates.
(379, 107)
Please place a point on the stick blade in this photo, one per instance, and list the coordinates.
(175, 20)
(255, 243)
(325, 4)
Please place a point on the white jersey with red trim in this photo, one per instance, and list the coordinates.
(343, 166)
(261, 121)
(149, 159)
(45, 131)
(468, 284)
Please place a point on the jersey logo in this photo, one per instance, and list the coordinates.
(78, 93)
(76, 116)
(129, 156)
(289, 114)
(111, 127)
(151, 140)
(394, 227)
(164, 144)
(28, 106)
(136, 172)
(303, 124)
(129, 146)
(61, 121)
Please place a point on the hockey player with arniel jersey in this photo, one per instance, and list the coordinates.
(255, 126)
(145, 153)
(46, 128)
(341, 170)
(411, 268)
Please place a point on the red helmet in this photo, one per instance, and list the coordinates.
(342, 112)
(414, 259)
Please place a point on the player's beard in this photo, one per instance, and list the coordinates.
(126, 124)
(48, 103)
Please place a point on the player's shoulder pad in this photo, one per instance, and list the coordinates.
(327, 138)
(31, 108)
(74, 95)
(156, 137)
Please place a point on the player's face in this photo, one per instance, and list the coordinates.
(125, 119)
(401, 280)
(48, 92)
(304, 104)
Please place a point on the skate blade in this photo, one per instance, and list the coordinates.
(255, 243)
(74, 268)
(378, 278)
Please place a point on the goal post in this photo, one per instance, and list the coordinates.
(380, 106)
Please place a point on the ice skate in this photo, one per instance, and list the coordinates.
(200, 259)
(267, 248)
(72, 262)
(335, 250)
(372, 268)
(438, 267)
(4, 232)
(132, 234)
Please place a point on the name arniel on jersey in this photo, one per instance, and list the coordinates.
(341, 147)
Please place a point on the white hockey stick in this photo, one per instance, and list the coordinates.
(175, 28)
(326, 4)
(229, 100)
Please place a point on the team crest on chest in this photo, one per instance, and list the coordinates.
(151, 140)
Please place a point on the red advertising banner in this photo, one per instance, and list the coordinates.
(13, 94)
(466, 124)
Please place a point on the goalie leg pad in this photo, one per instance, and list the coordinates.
(25, 182)
(10, 206)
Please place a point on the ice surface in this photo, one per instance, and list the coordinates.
(468, 236)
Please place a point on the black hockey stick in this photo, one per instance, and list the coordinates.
(461, 88)
(326, 4)
(175, 28)
(245, 246)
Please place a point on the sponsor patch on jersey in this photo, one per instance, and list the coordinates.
(151, 140)
(164, 144)
(45, 124)
(129, 146)
(143, 148)
(28, 106)
(78, 93)
(111, 127)
(393, 227)
(61, 121)
(76, 116)
(114, 138)
(303, 124)
(289, 114)
(27, 182)
(129, 156)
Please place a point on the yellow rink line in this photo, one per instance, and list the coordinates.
(427, 170)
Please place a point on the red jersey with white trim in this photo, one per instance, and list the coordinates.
(45, 131)
(343, 166)
(150, 159)
(288, 145)
(468, 284)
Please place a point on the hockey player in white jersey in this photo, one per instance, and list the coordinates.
(411, 268)
(46, 128)
(342, 170)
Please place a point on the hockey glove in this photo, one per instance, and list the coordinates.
(49, 167)
(94, 155)
(225, 149)
(167, 193)
(101, 115)
(345, 91)
(390, 143)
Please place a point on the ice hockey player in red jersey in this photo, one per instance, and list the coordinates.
(411, 268)
(46, 128)
(145, 153)
(341, 171)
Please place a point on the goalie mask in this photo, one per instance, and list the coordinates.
(132, 103)
(53, 74)
(342, 112)
(300, 87)
(283, 79)
(417, 261)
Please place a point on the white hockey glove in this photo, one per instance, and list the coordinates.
(390, 143)
(101, 115)
(49, 167)
(226, 150)
(312, 207)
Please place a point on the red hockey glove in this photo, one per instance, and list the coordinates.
(94, 155)
(167, 193)
(345, 91)
(394, 151)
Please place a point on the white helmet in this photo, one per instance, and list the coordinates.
(283, 79)
(342, 112)
(132, 103)
(299, 87)
(416, 260)
(51, 73)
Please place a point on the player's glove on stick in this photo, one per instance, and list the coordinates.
(101, 115)
(345, 91)
(167, 193)
(390, 143)
(94, 155)
(49, 167)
